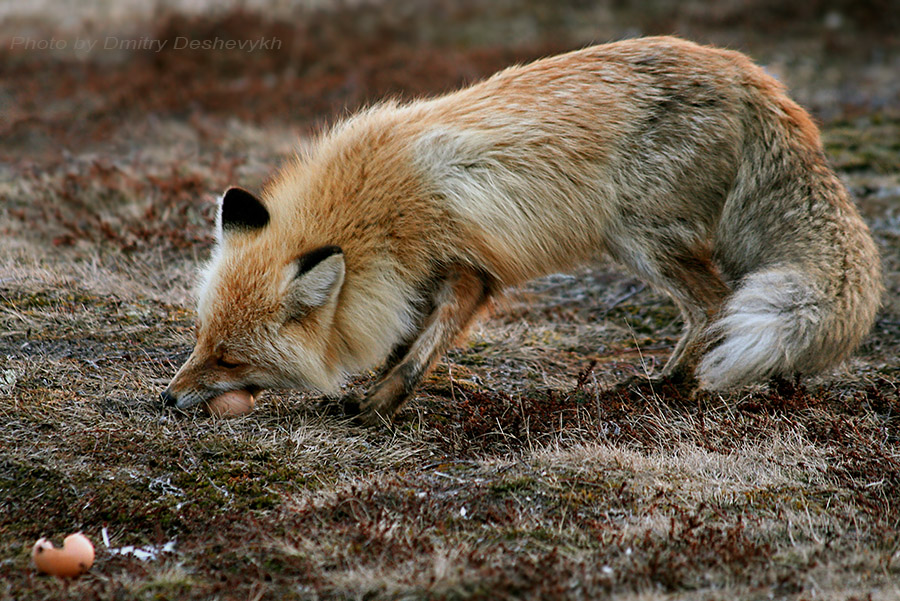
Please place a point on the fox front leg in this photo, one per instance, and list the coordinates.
(455, 299)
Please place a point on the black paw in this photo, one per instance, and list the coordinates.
(676, 381)
(351, 405)
(354, 407)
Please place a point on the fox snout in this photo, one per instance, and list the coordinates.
(170, 399)
(202, 378)
(186, 398)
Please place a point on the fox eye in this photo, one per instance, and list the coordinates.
(226, 364)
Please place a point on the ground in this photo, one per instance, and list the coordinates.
(520, 470)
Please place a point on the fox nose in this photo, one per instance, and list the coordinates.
(168, 398)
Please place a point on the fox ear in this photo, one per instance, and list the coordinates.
(320, 274)
(240, 210)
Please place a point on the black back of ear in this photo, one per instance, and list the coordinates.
(314, 257)
(242, 211)
(320, 275)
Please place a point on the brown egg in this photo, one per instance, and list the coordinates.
(231, 404)
(74, 558)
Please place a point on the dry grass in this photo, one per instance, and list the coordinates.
(520, 470)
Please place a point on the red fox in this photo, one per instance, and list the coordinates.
(687, 164)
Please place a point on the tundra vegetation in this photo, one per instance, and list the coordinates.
(519, 470)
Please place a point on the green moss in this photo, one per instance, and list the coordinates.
(516, 484)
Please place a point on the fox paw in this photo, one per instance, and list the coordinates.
(678, 380)
(361, 412)
(351, 404)
(370, 418)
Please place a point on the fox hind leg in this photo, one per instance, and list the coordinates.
(700, 292)
(689, 276)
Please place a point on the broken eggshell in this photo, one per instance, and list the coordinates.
(74, 558)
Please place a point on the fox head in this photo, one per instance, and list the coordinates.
(265, 311)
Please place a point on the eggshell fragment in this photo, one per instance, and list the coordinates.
(74, 558)
(231, 404)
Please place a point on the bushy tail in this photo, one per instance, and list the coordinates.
(782, 321)
(807, 272)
